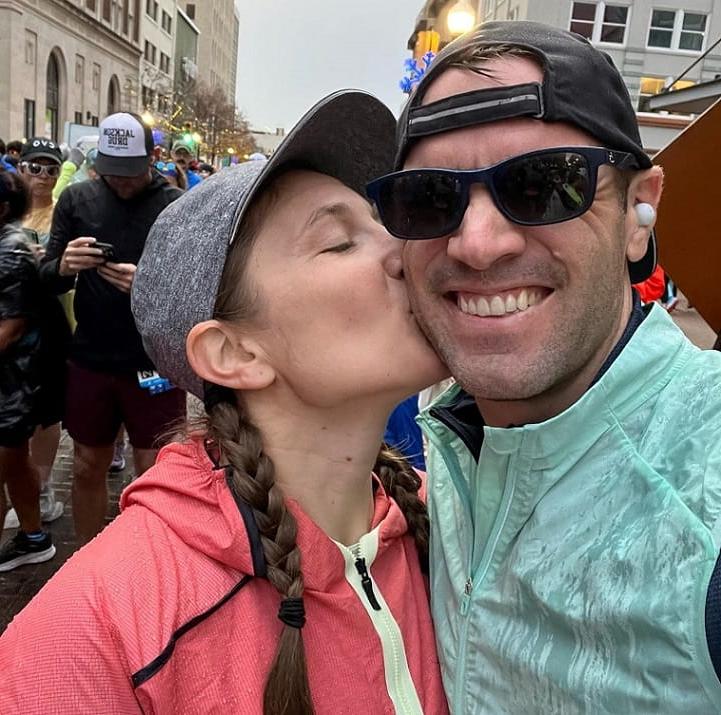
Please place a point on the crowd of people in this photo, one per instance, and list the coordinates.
(276, 557)
(73, 231)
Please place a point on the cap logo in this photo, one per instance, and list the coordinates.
(117, 136)
(44, 143)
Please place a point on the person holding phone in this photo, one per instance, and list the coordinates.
(92, 218)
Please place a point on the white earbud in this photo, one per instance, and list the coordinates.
(645, 213)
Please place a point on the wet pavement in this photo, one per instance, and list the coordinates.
(19, 586)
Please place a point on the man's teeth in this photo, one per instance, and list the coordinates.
(500, 305)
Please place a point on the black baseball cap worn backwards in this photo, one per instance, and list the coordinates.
(581, 86)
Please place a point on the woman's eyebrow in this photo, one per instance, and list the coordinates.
(335, 210)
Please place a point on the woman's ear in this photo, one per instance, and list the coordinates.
(220, 355)
(644, 188)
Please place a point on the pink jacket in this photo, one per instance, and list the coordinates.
(161, 614)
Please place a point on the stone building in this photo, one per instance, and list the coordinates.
(66, 61)
(217, 44)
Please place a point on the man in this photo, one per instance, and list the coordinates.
(107, 356)
(575, 472)
(182, 156)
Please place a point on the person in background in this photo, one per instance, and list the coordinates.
(39, 168)
(172, 173)
(12, 156)
(404, 434)
(22, 402)
(182, 155)
(205, 170)
(108, 362)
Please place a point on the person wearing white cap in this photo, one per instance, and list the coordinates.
(96, 240)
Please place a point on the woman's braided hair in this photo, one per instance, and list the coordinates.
(287, 691)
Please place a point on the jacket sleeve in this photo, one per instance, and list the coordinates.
(18, 281)
(60, 654)
(60, 235)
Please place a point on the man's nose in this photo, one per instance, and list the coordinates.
(485, 235)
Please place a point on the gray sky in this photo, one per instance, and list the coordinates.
(292, 53)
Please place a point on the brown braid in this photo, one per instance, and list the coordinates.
(287, 691)
(402, 483)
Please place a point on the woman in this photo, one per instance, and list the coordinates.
(21, 355)
(259, 567)
(39, 166)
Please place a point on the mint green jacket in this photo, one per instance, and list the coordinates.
(570, 562)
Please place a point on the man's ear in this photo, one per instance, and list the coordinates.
(220, 355)
(645, 187)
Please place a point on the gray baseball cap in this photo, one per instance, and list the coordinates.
(349, 135)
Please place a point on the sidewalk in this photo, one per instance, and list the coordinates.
(19, 586)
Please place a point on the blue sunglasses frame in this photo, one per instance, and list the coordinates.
(460, 183)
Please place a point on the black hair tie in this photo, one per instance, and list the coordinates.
(292, 611)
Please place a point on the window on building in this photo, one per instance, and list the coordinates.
(164, 63)
(151, 9)
(150, 52)
(600, 21)
(167, 23)
(677, 30)
(79, 69)
(78, 119)
(190, 10)
(96, 76)
(106, 10)
(90, 5)
(29, 118)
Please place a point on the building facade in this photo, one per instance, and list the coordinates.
(217, 44)
(66, 61)
(651, 42)
(186, 51)
(157, 42)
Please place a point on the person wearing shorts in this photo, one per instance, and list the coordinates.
(107, 354)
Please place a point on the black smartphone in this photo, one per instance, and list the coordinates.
(32, 235)
(107, 248)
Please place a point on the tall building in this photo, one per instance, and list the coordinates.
(186, 51)
(218, 43)
(157, 38)
(66, 61)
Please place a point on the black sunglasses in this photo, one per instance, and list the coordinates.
(534, 189)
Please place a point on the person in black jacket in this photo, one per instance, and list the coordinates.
(96, 240)
(21, 379)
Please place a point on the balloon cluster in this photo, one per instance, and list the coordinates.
(415, 71)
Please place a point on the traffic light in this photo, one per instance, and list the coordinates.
(188, 134)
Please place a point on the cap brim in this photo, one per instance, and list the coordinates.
(349, 135)
(126, 166)
(640, 271)
(42, 155)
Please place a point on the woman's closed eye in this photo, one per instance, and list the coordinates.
(340, 247)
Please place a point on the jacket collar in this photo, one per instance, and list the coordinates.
(644, 359)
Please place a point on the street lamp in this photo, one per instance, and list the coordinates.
(461, 18)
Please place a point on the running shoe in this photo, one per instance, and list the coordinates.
(50, 509)
(118, 463)
(21, 550)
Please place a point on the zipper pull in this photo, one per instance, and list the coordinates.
(466, 600)
(360, 567)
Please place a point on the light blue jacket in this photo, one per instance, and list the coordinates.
(570, 562)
